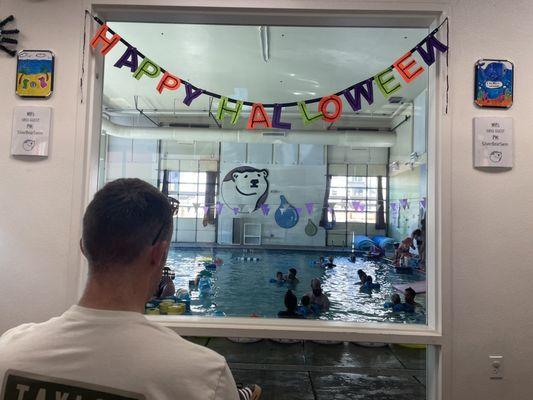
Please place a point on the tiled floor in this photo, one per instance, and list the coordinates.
(312, 371)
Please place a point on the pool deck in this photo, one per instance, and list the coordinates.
(313, 371)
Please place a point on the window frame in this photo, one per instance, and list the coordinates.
(308, 13)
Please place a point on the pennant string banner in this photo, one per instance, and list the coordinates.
(406, 66)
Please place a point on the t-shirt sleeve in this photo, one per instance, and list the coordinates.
(226, 388)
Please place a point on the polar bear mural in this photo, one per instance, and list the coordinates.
(245, 188)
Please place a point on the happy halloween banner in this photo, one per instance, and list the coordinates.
(329, 107)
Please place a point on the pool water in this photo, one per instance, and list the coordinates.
(242, 288)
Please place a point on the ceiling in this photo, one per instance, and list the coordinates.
(305, 62)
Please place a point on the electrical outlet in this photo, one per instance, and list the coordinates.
(496, 367)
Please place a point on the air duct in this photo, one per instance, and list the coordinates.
(331, 137)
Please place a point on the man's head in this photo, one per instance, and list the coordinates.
(279, 275)
(316, 287)
(128, 222)
(292, 273)
(409, 294)
(306, 300)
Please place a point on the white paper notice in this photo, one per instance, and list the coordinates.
(31, 131)
(493, 142)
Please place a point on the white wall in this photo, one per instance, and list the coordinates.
(491, 219)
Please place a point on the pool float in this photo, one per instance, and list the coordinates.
(176, 309)
(362, 243)
(205, 259)
(152, 311)
(248, 258)
(210, 266)
(418, 287)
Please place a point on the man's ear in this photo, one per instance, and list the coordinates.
(158, 253)
(82, 249)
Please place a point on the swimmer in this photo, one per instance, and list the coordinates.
(369, 284)
(403, 251)
(317, 296)
(305, 306)
(330, 264)
(291, 278)
(395, 303)
(362, 277)
(291, 304)
(410, 295)
(279, 278)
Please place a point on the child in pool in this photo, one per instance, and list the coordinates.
(409, 295)
(291, 304)
(279, 278)
(305, 308)
(395, 304)
(330, 264)
(403, 251)
(291, 278)
(166, 286)
(369, 284)
(362, 277)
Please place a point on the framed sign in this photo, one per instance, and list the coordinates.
(31, 131)
(494, 83)
(493, 142)
(35, 73)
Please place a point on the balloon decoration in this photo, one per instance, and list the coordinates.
(329, 108)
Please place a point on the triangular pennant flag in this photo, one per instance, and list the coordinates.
(298, 210)
(235, 210)
(206, 209)
(423, 203)
(219, 207)
(355, 205)
(266, 209)
(309, 208)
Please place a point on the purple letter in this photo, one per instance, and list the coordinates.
(355, 99)
(428, 55)
(124, 60)
(191, 93)
(276, 123)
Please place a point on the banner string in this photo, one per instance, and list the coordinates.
(272, 105)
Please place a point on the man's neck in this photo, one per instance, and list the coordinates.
(105, 294)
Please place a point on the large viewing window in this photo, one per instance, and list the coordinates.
(327, 199)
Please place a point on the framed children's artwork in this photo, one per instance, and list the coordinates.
(494, 83)
(35, 73)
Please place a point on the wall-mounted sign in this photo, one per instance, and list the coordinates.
(35, 73)
(494, 83)
(493, 142)
(31, 131)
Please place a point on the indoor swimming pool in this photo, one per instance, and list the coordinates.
(241, 288)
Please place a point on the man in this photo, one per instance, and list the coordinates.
(103, 347)
(317, 296)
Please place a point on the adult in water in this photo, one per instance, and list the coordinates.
(317, 296)
(104, 345)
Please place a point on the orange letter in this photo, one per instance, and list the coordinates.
(262, 117)
(107, 43)
(323, 108)
(405, 70)
(168, 81)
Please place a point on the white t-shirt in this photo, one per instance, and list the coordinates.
(108, 355)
